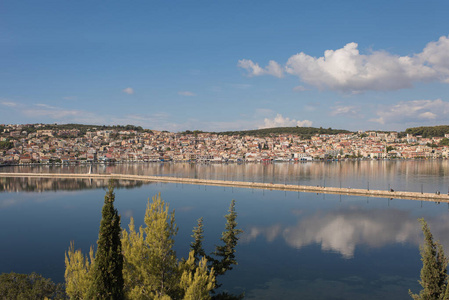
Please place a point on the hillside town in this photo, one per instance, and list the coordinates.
(97, 145)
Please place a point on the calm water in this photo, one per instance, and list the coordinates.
(415, 176)
(295, 245)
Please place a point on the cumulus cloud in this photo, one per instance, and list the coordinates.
(128, 90)
(280, 121)
(254, 69)
(347, 70)
(437, 55)
(413, 111)
(186, 93)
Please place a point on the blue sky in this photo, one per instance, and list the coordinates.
(225, 65)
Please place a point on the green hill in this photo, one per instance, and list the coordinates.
(303, 132)
(428, 131)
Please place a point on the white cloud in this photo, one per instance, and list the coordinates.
(416, 111)
(347, 70)
(299, 88)
(9, 103)
(437, 55)
(186, 93)
(254, 69)
(342, 231)
(280, 121)
(60, 114)
(128, 90)
(347, 111)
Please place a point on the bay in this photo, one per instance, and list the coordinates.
(295, 245)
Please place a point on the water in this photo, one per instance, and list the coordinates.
(427, 176)
(295, 245)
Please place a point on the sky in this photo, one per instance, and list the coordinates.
(225, 65)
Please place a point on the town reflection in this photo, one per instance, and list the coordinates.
(343, 230)
(403, 175)
(24, 184)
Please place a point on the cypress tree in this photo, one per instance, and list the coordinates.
(433, 272)
(197, 244)
(226, 252)
(108, 265)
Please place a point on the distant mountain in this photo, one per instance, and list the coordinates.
(303, 132)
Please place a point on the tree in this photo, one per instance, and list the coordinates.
(78, 273)
(197, 244)
(196, 280)
(151, 268)
(390, 148)
(433, 272)
(29, 286)
(107, 277)
(229, 237)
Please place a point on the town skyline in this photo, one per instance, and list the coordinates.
(44, 144)
(225, 66)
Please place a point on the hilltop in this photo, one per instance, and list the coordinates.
(303, 132)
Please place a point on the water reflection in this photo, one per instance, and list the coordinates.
(407, 175)
(343, 230)
(294, 244)
(16, 184)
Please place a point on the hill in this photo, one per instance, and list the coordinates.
(428, 131)
(303, 132)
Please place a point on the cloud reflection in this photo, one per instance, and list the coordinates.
(343, 230)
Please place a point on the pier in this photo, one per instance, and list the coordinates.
(244, 184)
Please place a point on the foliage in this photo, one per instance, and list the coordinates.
(223, 258)
(150, 268)
(304, 132)
(390, 148)
(5, 145)
(196, 280)
(226, 252)
(107, 276)
(29, 287)
(428, 131)
(197, 244)
(433, 272)
(78, 275)
(195, 132)
(82, 128)
(444, 142)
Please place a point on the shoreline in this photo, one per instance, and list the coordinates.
(243, 161)
(243, 184)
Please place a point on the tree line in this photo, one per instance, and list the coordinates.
(303, 132)
(428, 131)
